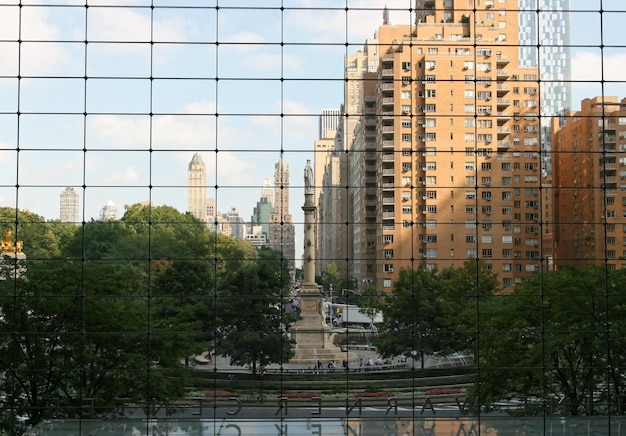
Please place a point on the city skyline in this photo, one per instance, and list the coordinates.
(118, 132)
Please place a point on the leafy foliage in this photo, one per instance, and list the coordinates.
(430, 312)
(256, 331)
(553, 338)
(110, 310)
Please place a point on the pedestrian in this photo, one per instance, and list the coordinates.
(361, 362)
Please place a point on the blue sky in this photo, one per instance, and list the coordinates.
(249, 133)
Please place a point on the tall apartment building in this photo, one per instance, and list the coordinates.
(69, 206)
(196, 188)
(589, 179)
(282, 231)
(108, 211)
(457, 169)
(335, 241)
(547, 23)
(328, 122)
(236, 222)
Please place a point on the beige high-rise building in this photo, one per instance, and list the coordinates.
(589, 151)
(282, 232)
(69, 206)
(457, 168)
(196, 188)
(335, 240)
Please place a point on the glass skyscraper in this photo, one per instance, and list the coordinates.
(544, 39)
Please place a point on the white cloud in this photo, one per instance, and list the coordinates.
(180, 131)
(243, 38)
(127, 176)
(332, 26)
(588, 66)
(587, 69)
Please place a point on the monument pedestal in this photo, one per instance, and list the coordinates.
(314, 341)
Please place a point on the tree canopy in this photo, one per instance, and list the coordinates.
(432, 311)
(554, 338)
(109, 310)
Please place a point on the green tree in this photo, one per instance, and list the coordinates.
(253, 327)
(416, 317)
(553, 338)
(431, 311)
(39, 240)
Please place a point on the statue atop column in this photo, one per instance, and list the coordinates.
(309, 187)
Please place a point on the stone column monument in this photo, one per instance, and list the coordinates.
(312, 335)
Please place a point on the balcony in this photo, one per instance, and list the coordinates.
(388, 158)
(502, 74)
(389, 215)
(503, 132)
(502, 89)
(388, 172)
(607, 139)
(387, 72)
(502, 60)
(387, 100)
(388, 200)
(387, 144)
(387, 115)
(387, 86)
(503, 102)
(387, 129)
(389, 187)
(504, 145)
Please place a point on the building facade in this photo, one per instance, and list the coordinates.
(589, 180)
(108, 212)
(282, 233)
(457, 167)
(196, 188)
(69, 206)
(544, 38)
(328, 122)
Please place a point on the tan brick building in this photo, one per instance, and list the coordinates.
(589, 177)
(457, 166)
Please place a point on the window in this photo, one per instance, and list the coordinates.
(406, 95)
(386, 283)
(430, 65)
(388, 267)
